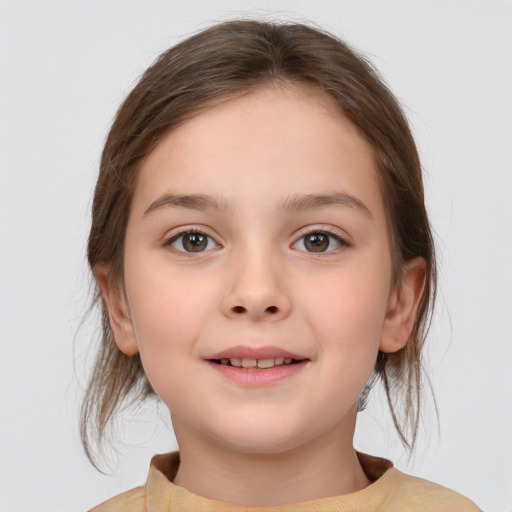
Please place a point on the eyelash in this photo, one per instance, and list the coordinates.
(168, 242)
(340, 241)
(329, 232)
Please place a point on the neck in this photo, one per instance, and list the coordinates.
(314, 470)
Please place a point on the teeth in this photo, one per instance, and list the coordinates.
(256, 363)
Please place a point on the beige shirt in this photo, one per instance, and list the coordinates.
(390, 491)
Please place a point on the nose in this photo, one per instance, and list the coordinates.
(257, 290)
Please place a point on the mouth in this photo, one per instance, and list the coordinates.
(255, 367)
(256, 364)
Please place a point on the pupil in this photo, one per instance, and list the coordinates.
(317, 242)
(194, 242)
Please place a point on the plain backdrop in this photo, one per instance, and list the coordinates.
(65, 66)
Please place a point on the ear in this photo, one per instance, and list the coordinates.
(118, 313)
(402, 306)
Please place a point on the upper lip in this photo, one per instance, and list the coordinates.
(247, 352)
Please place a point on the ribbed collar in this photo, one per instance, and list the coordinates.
(162, 494)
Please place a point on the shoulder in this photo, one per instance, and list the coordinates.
(411, 493)
(129, 501)
(161, 471)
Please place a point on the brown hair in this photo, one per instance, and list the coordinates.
(227, 60)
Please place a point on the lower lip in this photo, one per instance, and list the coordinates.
(252, 377)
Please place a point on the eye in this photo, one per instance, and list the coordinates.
(319, 241)
(191, 241)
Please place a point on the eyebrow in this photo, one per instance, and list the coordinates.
(191, 201)
(297, 203)
(291, 204)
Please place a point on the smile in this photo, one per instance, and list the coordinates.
(251, 367)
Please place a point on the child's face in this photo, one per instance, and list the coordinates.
(259, 226)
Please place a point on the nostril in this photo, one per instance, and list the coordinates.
(241, 310)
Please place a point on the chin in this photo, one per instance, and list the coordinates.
(271, 438)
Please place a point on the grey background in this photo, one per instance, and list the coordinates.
(65, 67)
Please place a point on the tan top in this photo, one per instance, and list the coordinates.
(391, 491)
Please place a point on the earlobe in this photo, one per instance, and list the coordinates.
(403, 305)
(120, 321)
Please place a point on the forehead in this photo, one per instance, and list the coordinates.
(277, 140)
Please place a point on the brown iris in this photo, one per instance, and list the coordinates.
(316, 242)
(194, 242)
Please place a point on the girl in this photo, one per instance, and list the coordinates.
(263, 256)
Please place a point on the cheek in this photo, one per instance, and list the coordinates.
(348, 315)
(350, 329)
(168, 313)
(167, 327)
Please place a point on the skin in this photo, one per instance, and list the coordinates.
(257, 284)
